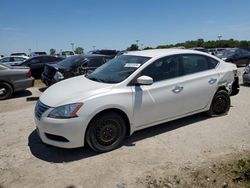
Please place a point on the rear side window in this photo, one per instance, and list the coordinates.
(2, 67)
(163, 69)
(19, 59)
(6, 59)
(196, 63)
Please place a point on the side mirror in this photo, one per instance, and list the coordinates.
(144, 80)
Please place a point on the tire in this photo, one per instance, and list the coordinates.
(220, 104)
(5, 90)
(106, 132)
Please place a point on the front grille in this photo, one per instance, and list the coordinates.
(40, 109)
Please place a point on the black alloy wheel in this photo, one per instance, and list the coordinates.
(220, 104)
(106, 132)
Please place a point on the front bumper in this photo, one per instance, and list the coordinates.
(246, 78)
(63, 133)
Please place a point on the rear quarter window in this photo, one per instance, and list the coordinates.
(194, 63)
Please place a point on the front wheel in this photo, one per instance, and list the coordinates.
(106, 132)
(220, 104)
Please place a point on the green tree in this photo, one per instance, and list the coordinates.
(79, 50)
(52, 51)
(133, 47)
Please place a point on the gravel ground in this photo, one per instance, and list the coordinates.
(191, 141)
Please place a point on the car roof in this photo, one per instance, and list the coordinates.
(163, 52)
(16, 56)
(94, 55)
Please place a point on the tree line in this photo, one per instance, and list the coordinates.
(231, 43)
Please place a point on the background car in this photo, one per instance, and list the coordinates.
(72, 66)
(238, 56)
(246, 75)
(200, 49)
(111, 53)
(37, 54)
(67, 54)
(14, 79)
(13, 60)
(37, 63)
(18, 54)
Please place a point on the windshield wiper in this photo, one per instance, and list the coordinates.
(94, 79)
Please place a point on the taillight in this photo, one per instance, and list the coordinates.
(28, 75)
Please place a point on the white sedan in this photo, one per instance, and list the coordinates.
(131, 92)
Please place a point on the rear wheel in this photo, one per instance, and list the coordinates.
(106, 132)
(220, 104)
(5, 91)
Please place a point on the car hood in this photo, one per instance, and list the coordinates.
(73, 90)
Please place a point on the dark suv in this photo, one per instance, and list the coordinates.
(111, 53)
(37, 63)
(72, 66)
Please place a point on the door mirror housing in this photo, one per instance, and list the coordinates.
(144, 80)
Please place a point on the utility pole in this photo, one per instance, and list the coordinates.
(72, 44)
(137, 42)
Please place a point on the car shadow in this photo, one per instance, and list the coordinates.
(53, 154)
(42, 89)
(60, 155)
(244, 85)
(19, 94)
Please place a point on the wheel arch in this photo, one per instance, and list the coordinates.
(4, 81)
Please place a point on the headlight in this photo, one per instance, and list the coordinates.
(66, 111)
(247, 69)
(58, 76)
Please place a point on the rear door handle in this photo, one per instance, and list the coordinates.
(212, 80)
(177, 89)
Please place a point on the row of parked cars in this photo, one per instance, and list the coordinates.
(51, 69)
(16, 72)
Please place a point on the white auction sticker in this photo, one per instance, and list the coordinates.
(132, 65)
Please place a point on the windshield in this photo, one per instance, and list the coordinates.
(68, 62)
(118, 69)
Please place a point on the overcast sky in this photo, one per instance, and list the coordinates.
(115, 24)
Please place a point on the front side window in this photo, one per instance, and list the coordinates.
(163, 69)
(194, 63)
(118, 69)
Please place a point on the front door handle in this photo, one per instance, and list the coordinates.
(212, 80)
(177, 89)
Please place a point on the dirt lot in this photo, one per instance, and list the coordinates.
(174, 154)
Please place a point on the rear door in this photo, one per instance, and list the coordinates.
(182, 84)
(199, 81)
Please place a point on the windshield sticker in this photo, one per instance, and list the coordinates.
(132, 65)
